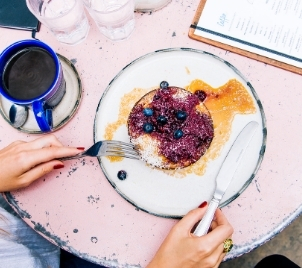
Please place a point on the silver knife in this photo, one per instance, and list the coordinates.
(226, 173)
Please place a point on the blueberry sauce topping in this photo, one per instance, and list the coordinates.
(161, 119)
(148, 112)
(186, 133)
(178, 134)
(201, 95)
(148, 127)
(181, 115)
(164, 84)
(122, 175)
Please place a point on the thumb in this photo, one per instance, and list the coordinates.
(192, 217)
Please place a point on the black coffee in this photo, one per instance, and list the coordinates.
(29, 73)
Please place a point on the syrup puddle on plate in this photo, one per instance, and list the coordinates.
(223, 104)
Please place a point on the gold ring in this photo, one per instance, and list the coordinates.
(227, 245)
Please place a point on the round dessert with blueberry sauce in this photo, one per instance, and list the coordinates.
(170, 127)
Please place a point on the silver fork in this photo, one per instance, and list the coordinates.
(108, 148)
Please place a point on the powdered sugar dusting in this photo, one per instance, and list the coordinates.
(181, 94)
(148, 149)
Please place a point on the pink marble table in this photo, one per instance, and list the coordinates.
(77, 209)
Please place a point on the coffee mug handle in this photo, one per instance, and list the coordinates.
(43, 116)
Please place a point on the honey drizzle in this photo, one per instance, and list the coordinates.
(223, 104)
(126, 105)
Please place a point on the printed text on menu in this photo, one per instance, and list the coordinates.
(271, 28)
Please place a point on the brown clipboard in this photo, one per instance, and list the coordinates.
(239, 51)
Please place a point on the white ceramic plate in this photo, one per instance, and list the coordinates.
(63, 112)
(154, 190)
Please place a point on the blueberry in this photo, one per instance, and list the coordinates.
(201, 95)
(181, 115)
(178, 134)
(156, 97)
(148, 127)
(164, 84)
(148, 112)
(122, 175)
(161, 119)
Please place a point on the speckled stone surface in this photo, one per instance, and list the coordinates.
(77, 209)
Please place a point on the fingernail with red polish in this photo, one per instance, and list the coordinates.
(203, 204)
(58, 166)
(81, 148)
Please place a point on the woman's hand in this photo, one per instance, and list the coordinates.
(21, 162)
(182, 249)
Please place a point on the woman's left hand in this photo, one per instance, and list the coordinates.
(21, 162)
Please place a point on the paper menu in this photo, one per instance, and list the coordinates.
(271, 28)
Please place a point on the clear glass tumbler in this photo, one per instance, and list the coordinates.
(114, 18)
(65, 18)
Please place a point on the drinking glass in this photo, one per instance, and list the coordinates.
(66, 19)
(114, 18)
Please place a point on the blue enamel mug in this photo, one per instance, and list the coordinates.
(31, 75)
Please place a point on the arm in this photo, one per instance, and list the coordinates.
(182, 249)
(21, 163)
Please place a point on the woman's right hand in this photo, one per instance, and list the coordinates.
(21, 162)
(182, 249)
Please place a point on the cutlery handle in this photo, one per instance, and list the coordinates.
(204, 225)
(71, 157)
